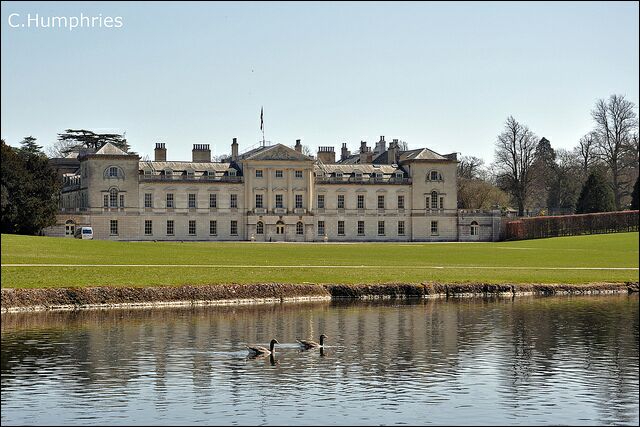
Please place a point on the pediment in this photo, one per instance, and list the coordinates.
(279, 152)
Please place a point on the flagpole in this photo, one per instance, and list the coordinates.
(262, 125)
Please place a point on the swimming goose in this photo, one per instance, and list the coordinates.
(262, 351)
(307, 344)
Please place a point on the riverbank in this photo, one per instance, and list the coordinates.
(17, 300)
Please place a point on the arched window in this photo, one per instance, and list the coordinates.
(69, 227)
(259, 228)
(475, 228)
(113, 172)
(299, 228)
(434, 200)
(279, 227)
(113, 198)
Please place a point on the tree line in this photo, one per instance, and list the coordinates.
(599, 174)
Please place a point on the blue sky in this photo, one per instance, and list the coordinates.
(437, 75)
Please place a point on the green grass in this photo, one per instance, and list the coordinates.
(503, 262)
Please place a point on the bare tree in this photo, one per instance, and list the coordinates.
(616, 122)
(470, 167)
(514, 156)
(585, 151)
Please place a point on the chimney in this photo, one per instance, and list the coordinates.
(201, 153)
(365, 153)
(298, 146)
(392, 155)
(234, 150)
(326, 155)
(381, 146)
(345, 153)
(160, 153)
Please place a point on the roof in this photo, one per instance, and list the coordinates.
(177, 166)
(353, 168)
(111, 150)
(421, 154)
(274, 152)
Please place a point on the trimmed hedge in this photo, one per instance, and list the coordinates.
(572, 225)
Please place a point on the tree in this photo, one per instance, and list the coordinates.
(596, 195)
(515, 153)
(470, 167)
(565, 183)
(634, 195)
(543, 171)
(73, 140)
(585, 151)
(615, 124)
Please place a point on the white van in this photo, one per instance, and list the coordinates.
(84, 233)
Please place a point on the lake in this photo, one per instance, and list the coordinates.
(526, 360)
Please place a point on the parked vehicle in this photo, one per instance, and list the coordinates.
(84, 233)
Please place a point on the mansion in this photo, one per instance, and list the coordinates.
(269, 193)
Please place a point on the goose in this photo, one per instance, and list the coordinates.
(307, 344)
(255, 350)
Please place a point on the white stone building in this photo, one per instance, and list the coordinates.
(270, 193)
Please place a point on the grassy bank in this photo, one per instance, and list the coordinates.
(556, 260)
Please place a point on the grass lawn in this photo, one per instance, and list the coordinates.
(174, 263)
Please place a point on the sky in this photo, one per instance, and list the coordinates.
(439, 75)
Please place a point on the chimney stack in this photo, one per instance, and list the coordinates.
(365, 153)
(234, 150)
(392, 155)
(381, 146)
(345, 153)
(326, 155)
(298, 146)
(160, 152)
(201, 153)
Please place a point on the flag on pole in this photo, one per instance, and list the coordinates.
(261, 118)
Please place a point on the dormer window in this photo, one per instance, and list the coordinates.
(190, 174)
(399, 175)
(358, 176)
(378, 175)
(232, 172)
(339, 175)
(168, 172)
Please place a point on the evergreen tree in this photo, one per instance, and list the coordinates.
(634, 195)
(75, 139)
(596, 195)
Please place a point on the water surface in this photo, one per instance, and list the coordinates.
(528, 360)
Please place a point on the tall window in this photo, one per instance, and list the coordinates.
(106, 200)
(400, 228)
(380, 202)
(192, 227)
(259, 201)
(340, 201)
(169, 227)
(320, 228)
(400, 202)
(279, 202)
(298, 201)
(278, 174)
(320, 201)
(113, 198)
(435, 176)
(148, 200)
(441, 202)
(258, 173)
(360, 201)
(434, 227)
(434, 200)
(474, 228)
(260, 227)
(299, 228)
(192, 200)
(340, 228)
(380, 228)
(234, 201)
(298, 174)
(113, 172)
(148, 227)
(234, 228)
(213, 200)
(170, 200)
(360, 228)
(113, 227)
(122, 200)
(213, 227)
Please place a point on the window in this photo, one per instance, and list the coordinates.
(400, 228)
(259, 201)
(320, 228)
(169, 200)
(113, 227)
(358, 176)
(299, 228)
(192, 200)
(258, 173)
(122, 200)
(213, 227)
(378, 176)
(298, 201)
(170, 227)
(340, 228)
(474, 228)
(298, 174)
(380, 228)
(360, 201)
(278, 174)
(320, 201)
(234, 228)
(340, 201)
(213, 200)
(106, 200)
(279, 227)
(113, 198)
(380, 202)
(232, 172)
(168, 172)
(234, 201)
(435, 176)
(434, 227)
(339, 175)
(148, 227)
(434, 200)
(279, 203)
(400, 202)
(360, 228)
(148, 172)
(441, 202)
(190, 174)
(148, 200)
(192, 227)
(399, 176)
(260, 227)
(113, 172)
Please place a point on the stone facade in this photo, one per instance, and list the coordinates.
(270, 193)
